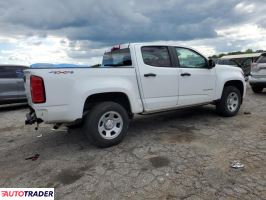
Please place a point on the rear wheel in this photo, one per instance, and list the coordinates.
(230, 102)
(256, 89)
(106, 124)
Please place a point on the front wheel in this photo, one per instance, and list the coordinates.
(230, 102)
(256, 89)
(106, 124)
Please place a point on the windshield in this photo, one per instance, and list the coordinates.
(118, 57)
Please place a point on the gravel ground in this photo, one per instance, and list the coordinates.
(183, 154)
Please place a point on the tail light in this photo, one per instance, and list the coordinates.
(37, 89)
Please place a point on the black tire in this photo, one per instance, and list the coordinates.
(222, 106)
(256, 89)
(74, 126)
(92, 121)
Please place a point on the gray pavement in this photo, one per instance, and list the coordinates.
(183, 154)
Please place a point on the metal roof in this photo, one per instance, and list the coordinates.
(248, 55)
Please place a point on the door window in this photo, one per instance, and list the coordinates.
(190, 59)
(157, 56)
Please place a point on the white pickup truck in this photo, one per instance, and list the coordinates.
(135, 78)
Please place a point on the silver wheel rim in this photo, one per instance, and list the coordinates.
(110, 125)
(232, 102)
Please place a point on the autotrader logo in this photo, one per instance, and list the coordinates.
(27, 193)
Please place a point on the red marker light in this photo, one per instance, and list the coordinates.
(115, 48)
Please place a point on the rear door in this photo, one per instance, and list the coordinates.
(197, 81)
(158, 77)
(8, 83)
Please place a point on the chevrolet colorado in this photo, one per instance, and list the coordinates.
(135, 78)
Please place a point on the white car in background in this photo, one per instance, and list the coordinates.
(257, 79)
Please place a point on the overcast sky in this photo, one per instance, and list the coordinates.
(78, 31)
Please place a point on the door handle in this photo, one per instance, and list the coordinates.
(186, 74)
(150, 75)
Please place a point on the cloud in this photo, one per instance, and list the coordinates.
(83, 29)
(122, 21)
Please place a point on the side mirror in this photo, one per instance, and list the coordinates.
(211, 64)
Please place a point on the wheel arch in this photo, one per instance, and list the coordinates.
(236, 83)
(117, 97)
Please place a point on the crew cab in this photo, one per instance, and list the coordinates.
(135, 78)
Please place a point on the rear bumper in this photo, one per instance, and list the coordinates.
(258, 81)
(53, 114)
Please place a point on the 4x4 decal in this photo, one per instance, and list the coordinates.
(62, 72)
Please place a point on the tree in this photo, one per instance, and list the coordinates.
(249, 51)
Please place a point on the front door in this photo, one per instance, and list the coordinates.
(158, 77)
(197, 81)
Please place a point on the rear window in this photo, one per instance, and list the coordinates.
(262, 59)
(117, 58)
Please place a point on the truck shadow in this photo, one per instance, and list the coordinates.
(144, 125)
(63, 142)
(155, 121)
(184, 120)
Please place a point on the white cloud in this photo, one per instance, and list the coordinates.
(78, 31)
(41, 50)
(248, 36)
(244, 7)
(243, 32)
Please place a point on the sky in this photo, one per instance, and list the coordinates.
(79, 31)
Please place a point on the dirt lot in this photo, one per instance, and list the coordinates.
(179, 155)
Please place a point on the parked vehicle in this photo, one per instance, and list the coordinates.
(240, 60)
(12, 88)
(136, 78)
(233, 63)
(257, 78)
